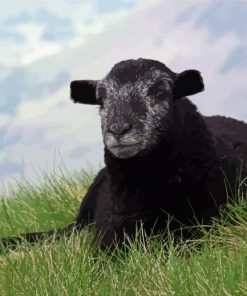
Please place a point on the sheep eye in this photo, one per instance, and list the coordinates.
(157, 90)
(159, 94)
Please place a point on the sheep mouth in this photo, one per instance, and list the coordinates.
(124, 145)
(125, 150)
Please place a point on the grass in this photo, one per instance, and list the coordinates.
(214, 265)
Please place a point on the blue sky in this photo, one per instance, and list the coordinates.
(46, 45)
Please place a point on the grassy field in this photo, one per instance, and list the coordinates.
(214, 265)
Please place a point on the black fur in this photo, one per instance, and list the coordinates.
(83, 91)
(179, 177)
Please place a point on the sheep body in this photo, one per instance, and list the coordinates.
(179, 178)
(164, 160)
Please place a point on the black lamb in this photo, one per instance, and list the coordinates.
(164, 160)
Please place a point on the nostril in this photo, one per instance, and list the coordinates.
(126, 127)
(120, 129)
(113, 129)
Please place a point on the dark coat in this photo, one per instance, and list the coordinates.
(181, 180)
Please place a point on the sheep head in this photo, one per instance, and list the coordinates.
(136, 98)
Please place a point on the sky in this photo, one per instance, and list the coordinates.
(47, 45)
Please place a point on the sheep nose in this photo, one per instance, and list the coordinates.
(120, 129)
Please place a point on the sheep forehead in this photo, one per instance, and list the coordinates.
(138, 87)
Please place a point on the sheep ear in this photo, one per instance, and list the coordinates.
(84, 92)
(188, 83)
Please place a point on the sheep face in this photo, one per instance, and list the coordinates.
(136, 99)
(135, 103)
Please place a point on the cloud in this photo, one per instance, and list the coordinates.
(40, 128)
(9, 168)
(107, 6)
(19, 18)
(56, 27)
(225, 17)
(22, 83)
(237, 59)
(11, 36)
(78, 151)
(49, 27)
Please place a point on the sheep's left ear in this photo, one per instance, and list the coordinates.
(84, 91)
(188, 83)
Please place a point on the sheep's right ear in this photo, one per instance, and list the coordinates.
(84, 92)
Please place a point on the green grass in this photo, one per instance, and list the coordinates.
(215, 264)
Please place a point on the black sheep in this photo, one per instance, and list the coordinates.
(164, 160)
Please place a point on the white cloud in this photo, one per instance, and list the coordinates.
(4, 119)
(43, 127)
(37, 48)
(85, 20)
